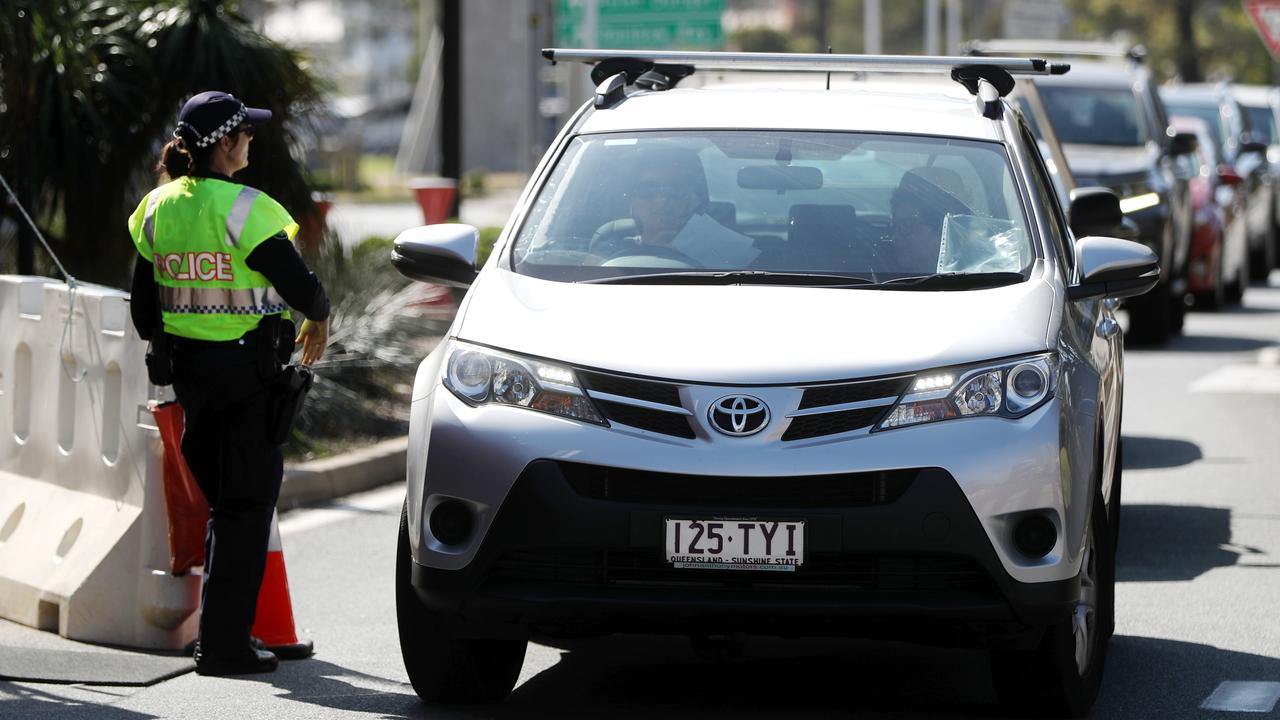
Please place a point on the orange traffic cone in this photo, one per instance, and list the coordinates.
(274, 620)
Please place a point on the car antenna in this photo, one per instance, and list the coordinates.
(828, 73)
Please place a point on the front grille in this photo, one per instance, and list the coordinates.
(649, 390)
(646, 568)
(640, 486)
(808, 426)
(823, 395)
(646, 419)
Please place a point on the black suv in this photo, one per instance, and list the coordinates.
(1115, 131)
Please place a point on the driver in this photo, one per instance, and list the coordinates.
(668, 217)
(918, 207)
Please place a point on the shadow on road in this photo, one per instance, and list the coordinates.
(1146, 453)
(1213, 343)
(1174, 542)
(643, 677)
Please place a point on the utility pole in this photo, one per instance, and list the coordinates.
(451, 97)
(953, 27)
(824, 20)
(871, 27)
(932, 27)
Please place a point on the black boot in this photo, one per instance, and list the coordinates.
(247, 663)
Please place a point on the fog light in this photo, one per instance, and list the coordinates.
(451, 522)
(1035, 536)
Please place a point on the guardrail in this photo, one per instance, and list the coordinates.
(83, 528)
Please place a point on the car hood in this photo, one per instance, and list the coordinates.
(753, 334)
(1108, 163)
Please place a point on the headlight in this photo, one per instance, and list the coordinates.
(479, 375)
(1010, 389)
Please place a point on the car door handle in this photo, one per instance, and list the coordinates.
(1108, 327)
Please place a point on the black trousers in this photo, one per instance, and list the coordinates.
(226, 443)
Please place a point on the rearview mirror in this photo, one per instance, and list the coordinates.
(1095, 211)
(1111, 267)
(444, 254)
(779, 177)
(1183, 143)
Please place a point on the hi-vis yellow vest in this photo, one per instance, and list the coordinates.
(197, 233)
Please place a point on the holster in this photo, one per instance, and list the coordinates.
(275, 345)
(287, 396)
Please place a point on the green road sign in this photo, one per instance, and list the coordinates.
(642, 24)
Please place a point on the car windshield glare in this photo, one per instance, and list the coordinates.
(777, 204)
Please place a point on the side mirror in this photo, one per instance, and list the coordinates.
(1227, 175)
(1095, 211)
(1183, 143)
(1250, 144)
(443, 254)
(1111, 267)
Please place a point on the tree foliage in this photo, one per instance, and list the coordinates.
(89, 90)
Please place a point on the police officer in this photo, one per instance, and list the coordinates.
(217, 256)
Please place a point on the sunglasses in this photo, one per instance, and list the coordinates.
(246, 130)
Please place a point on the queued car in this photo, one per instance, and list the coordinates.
(1235, 143)
(775, 361)
(1219, 268)
(1115, 131)
(1261, 104)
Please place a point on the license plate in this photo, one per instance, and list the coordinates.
(730, 544)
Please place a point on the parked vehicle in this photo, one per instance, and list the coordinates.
(1115, 132)
(1246, 154)
(1262, 105)
(1219, 267)
(870, 386)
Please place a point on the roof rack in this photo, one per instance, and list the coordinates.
(1056, 48)
(987, 78)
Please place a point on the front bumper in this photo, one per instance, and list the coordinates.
(578, 549)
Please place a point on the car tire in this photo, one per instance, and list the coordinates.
(443, 668)
(1262, 259)
(1150, 321)
(1061, 676)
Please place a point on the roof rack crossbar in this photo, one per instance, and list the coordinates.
(1056, 48)
(806, 62)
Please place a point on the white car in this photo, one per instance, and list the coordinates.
(775, 360)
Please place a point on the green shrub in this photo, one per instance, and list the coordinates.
(488, 236)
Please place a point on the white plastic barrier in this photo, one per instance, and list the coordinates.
(83, 527)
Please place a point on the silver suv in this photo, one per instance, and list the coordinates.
(775, 358)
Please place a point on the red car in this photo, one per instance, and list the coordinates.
(1218, 266)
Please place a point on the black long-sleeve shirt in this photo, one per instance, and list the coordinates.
(275, 258)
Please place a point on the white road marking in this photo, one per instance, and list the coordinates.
(1240, 379)
(379, 500)
(1243, 696)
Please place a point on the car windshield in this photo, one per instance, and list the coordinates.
(1094, 116)
(1206, 111)
(781, 207)
(1264, 122)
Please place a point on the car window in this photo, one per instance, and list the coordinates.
(1044, 189)
(808, 202)
(1206, 111)
(1094, 116)
(1264, 122)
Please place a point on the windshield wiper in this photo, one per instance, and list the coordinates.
(735, 277)
(953, 281)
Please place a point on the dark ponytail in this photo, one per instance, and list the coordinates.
(176, 160)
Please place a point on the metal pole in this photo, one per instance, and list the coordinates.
(871, 27)
(932, 26)
(451, 97)
(953, 27)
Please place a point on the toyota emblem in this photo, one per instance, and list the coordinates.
(738, 415)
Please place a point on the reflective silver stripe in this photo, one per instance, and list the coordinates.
(224, 301)
(149, 220)
(239, 215)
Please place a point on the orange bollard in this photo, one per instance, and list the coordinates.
(273, 622)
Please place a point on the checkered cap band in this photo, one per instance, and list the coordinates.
(219, 132)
